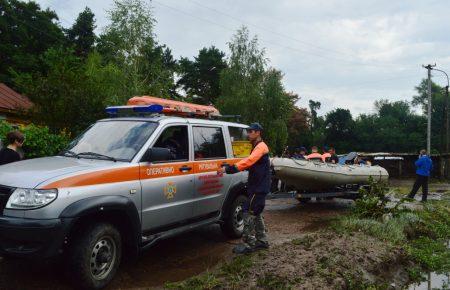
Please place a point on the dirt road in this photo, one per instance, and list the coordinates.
(183, 256)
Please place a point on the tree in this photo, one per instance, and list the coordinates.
(200, 79)
(393, 128)
(298, 128)
(255, 92)
(129, 43)
(317, 124)
(81, 35)
(339, 129)
(74, 92)
(26, 32)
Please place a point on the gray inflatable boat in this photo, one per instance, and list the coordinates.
(316, 175)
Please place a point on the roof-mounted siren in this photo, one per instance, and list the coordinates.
(132, 110)
(178, 108)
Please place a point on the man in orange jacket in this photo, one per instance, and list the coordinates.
(258, 164)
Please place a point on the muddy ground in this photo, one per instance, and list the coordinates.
(183, 256)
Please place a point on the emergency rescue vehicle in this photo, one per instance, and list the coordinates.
(146, 173)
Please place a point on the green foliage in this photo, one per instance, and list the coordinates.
(200, 78)
(255, 92)
(270, 281)
(201, 282)
(128, 42)
(372, 201)
(39, 141)
(26, 33)
(339, 128)
(433, 255)
(81, 35)
(75, 91)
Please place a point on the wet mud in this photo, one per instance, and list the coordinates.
(183, 256)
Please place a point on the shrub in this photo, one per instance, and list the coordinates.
(39, 142)
(372, 203)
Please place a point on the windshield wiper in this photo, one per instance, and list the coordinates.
(98, 155)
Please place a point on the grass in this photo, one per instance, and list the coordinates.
(423, 233)
(233, 273)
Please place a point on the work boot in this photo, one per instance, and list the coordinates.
(261, 245)
(243, 249)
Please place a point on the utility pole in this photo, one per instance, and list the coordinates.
(429, 68)
(446, 119)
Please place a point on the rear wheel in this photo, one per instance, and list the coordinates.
(95, 256)
(233, 224)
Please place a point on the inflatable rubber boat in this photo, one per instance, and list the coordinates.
(316, 175)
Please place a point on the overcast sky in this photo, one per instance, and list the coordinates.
(344, 54)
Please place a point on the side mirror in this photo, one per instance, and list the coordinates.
(156, 154)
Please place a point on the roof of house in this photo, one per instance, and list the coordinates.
(11, 100)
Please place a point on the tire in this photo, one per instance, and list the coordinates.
(95, 256)
(233, 224)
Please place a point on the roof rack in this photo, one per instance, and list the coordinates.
(148, 104)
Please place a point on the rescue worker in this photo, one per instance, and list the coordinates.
(424, 166)
(258, 164)
(315, 155)
(10, 152)
(326, 155)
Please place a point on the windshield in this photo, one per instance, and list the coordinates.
(115, 140)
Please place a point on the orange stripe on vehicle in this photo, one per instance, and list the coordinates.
(97, 177)
(136, 172)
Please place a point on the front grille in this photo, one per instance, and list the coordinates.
(5, 193)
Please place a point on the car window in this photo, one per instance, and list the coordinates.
(208, 143)
(239, 141)
(175, 138)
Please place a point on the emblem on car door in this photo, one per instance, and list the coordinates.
(170, 189)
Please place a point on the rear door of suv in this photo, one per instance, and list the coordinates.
(210, 151)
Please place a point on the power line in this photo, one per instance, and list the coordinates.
(275, 44)
(268, 30)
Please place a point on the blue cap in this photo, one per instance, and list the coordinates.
(255, 126)
(302, 149)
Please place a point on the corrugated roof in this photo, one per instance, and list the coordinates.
(11, 100)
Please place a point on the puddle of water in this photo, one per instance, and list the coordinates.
(434, 281)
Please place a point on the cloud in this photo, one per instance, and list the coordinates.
(344, 53)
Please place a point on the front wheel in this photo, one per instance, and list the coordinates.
(233, 224)
(95, 256)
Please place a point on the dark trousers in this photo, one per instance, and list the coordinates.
(420, 181)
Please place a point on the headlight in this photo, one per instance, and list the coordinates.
(23, 198)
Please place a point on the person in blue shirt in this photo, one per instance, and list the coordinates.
(424, 165)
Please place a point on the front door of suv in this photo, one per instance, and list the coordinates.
(167, 186)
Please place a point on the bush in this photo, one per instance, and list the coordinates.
(39, 142)
(373, 200)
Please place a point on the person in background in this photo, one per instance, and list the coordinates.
(424, 165)
(359, 161)
(326, 155)
(9, 154)
(299, 153)
(333, 156)
(315, 155)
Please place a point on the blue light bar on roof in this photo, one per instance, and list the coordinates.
(134, 109)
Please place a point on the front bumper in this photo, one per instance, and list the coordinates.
(32, 238)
